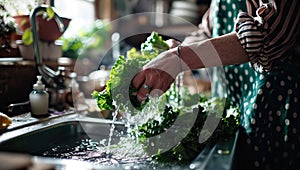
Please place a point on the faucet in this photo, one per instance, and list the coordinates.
(51, 77)
(54, 79)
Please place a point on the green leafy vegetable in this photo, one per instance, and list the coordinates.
(155, 127)
(196, 107)
(154, 45)
(118, 91)
(215, 109)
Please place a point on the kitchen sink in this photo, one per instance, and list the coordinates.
(67, 133)
(57, 139)
(71, 138)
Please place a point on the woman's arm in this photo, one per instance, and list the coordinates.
(157, 76)
(222, 50)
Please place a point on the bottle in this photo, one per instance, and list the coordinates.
(39, 99)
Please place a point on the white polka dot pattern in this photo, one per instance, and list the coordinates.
(268, 101)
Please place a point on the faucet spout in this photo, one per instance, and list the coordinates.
(47, 73)
(57, 81)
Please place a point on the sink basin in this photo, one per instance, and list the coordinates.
(56, 140)
(71, 139)
(67, 133)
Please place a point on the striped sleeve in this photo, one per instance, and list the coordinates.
(268, 35)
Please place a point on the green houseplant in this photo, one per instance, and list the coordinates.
(89, 38)
(20, 10)
(7, 31)
(48, 29)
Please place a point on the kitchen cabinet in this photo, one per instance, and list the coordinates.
(17, 77)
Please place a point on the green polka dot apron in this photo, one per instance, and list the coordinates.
(270, 133)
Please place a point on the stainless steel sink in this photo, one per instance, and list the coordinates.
(62, 134)
(66, 133)
(42, 139)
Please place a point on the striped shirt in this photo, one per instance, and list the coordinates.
(269, 31)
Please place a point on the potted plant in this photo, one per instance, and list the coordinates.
(20, 10)
(92, 37)
(88, 46)
(7, 33)
(48, 31)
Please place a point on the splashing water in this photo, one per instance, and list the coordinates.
(128, 150)
(129, 146)
(112, 128)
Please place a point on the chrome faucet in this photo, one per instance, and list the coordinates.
(55, 80)
(52, 78)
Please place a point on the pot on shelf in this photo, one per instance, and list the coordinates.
(48, 29)
(48, 50)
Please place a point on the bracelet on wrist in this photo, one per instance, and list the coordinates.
(179, 56)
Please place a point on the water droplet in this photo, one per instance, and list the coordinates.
(223, 152)
(152, 144)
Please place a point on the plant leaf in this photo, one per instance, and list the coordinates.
(50, 12)
(23, 22)
(27, 37)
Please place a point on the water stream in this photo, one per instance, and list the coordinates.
(127, 151)
(112, 128)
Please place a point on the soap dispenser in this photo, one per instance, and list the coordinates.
(39, 99)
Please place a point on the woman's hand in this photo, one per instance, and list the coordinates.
(172, 43)
(151, 82)
(156, 77)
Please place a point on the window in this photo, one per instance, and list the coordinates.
(82, 13)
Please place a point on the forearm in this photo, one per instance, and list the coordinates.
(223, 50)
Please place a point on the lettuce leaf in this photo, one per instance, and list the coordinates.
(119, 91)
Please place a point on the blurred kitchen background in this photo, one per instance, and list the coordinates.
(97, 32)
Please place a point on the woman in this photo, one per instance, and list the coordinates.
(267, 37)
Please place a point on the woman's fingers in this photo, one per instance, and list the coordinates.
(172, 43)
(151, 82)
(138, 80)
(145, 87)
(144, 82)
(156, 77)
